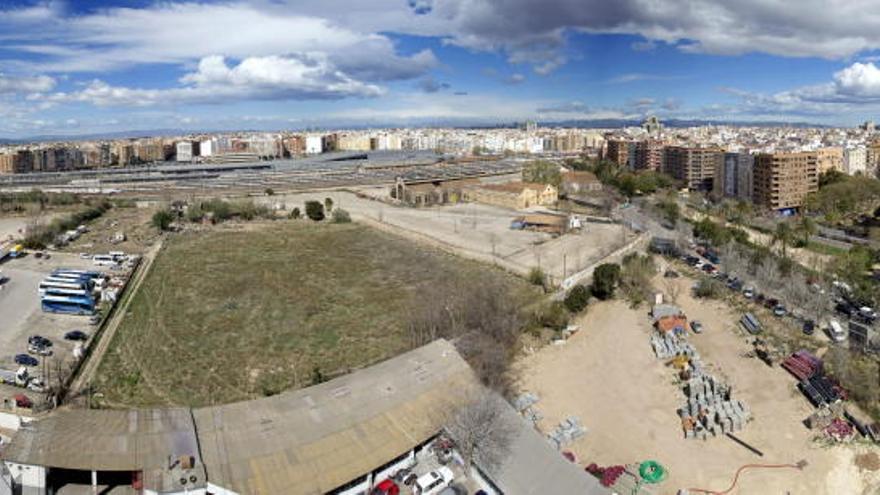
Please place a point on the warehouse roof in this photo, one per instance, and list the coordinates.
(319, 438)
(104, 440)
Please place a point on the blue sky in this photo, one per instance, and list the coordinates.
(81, 67)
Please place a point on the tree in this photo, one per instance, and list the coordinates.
(605, 279)
(577, 298)
(784, 235)
(806, 227)
(328, 205)
(162, 219)
(269, 191)
(295, 213)
(542, 172)
(482, 432)
(671, 212)
(341, 216)
(315, 210)
(636, 272)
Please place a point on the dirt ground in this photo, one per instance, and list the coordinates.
(132, 221)
(608, 376)
(479, 232)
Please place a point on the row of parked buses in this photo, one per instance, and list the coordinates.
(70, 291)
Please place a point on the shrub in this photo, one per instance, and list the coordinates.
(341, 216)
(553, 315)
(577, 298)
(315, 210)
(537, 277)
(295, 213)
(709, 288)
(162, 219)
(328, 205)
(605, 280)
(269, 191)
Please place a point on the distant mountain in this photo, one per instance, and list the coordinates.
(674, 123)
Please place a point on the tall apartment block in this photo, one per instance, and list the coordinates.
(734, 178)
(783, 180)
(695, 166)
(617, 151)
(649, 155)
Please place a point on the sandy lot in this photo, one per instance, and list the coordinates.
(480, 232)
(608, 376)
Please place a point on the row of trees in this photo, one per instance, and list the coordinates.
(39, 235)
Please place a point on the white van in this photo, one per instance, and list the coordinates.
(836, 331)
(433, 482)
(103, 260)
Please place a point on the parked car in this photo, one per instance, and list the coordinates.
(844, 308)
(39, 349)
(433, 482)
(76, 335)
(85, 256)
(386, 487)
(26, 360)
(38, 255)
(94, 320)
(749, 292)
(809, 327)
(779, 310)
(696, 327)
(867, 313)
(836, 331)
(39, 340)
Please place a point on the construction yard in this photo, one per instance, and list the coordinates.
(608, 376)
(249, 310)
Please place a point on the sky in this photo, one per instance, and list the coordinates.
(81, 67)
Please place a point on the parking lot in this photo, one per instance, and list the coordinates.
(22, 316)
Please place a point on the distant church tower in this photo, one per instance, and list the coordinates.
(653, 126)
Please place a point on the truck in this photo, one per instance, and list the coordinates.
(19, 378)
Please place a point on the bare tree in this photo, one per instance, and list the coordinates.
(673, 289)
(482, 432)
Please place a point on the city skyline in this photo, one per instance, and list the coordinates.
(133, 65)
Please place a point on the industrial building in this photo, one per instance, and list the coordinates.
(514, 195)
(340, 437)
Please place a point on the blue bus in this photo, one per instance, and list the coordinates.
(68, 305)
(90, 274)
(56, 291)
(61, 284)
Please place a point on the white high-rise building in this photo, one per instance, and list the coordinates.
(314, 145)
(855, 160)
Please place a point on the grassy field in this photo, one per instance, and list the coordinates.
(232, 315)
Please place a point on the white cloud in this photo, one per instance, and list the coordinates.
(35, 84)
(215, 82)
(181, 33)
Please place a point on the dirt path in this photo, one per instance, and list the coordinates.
(90, 366)
(608, 376)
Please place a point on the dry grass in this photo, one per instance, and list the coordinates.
(231, 315)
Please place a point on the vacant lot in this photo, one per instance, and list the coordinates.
(608, 376)
(229, 315)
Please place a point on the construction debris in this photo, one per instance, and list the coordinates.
(569, 430)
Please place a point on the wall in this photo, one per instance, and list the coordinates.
(32, 479)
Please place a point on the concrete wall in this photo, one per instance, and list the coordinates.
(31, 479)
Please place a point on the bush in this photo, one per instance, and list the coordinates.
(328, 205)
(269, 191)
(341, 216)
(709, 288)
(537, 277)
(553, 315)
(577, 298)
(315, 210)
(605, 280)
(39, 236)
(195, 213)
(162, 219)
(295, 214)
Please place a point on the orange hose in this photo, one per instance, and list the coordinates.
(799, 465)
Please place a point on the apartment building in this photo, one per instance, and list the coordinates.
(855, 160)
(16, 162)
(783, 180)
(649, 155)
(693, 165)
(734, 178)
(830, 158)
(617, 151)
